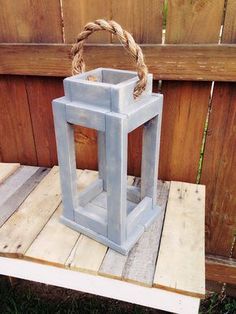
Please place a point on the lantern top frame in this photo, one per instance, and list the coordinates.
(111, 89)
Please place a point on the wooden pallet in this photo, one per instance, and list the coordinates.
(34, 245)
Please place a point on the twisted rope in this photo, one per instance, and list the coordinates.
(125, 39)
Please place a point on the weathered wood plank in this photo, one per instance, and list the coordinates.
(146, 249)
(7, 169)
(15, 190)
(188, 62)
(9, 187)
(114, 263)
(55, 242)
(181, 260)
(17, 234)
(87, 255)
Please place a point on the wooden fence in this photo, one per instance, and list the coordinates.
(199, 48)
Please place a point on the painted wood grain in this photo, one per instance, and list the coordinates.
(181, 260)
(7, 169)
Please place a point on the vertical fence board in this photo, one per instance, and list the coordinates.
(219, 168)
(219, 163)
(229, 34)
(41, 91)
(194, 22)
(184, 114)
(78, 13)
(27, 21)
(16, 136)
(143, 19)
(30, 21)
(186, 104)
(86, 148)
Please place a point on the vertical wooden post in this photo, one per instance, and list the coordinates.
(102, 158)
(66, 156)
(150, 155)
(116, 159)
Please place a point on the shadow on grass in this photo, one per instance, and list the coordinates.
(25, 297)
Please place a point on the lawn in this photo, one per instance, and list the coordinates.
(24, 297)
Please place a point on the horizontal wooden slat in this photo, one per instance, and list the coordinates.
(221, 269)
(181, 259)
(170, 62)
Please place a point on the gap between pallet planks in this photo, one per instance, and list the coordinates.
(48, 241)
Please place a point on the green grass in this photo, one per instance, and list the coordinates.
(24, 297)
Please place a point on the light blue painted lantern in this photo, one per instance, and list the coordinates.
(109, 210)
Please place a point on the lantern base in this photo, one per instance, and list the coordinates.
(126, 246)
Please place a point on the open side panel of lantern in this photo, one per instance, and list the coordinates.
(109, 211)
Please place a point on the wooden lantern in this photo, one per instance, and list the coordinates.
(108, 210)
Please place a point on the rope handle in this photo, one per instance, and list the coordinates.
(127, 41)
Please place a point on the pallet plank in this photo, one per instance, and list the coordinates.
(22, 227)
(87, 255)
(55, 242)
(10, 186)
(146, 249)
(181, 260)
(15, 190)
(7, 169)
(114, 263)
